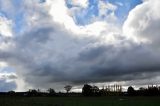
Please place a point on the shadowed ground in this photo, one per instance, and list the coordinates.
(79, 101)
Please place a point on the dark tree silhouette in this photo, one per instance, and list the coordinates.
(95, 91)
(32, 92)
(102, 92)
(11, 93)
(68, 88)
(87, 90)
(51, 92)
(131, 91)
(38, 90)
(153, 91)
(142, 91)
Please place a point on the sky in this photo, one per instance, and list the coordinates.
(51, 43)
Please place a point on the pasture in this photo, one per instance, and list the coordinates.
(80, 101)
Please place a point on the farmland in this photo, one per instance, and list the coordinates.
(80, 101)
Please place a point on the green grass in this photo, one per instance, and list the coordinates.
(79, 101)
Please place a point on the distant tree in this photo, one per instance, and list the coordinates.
(153, 91)
(11, 93)
(142, 91)
(102, 92)
(68, 88)
(38, 90)
(32, 92)
(95, 89)
(87, 90)
(131, 91)
(51, 91)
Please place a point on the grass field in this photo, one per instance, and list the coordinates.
(79, 101)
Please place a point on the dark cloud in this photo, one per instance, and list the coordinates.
(48, 54)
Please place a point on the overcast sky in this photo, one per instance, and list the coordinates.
(51, 43)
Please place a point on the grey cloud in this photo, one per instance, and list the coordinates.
(48, 55)
(120, 63)
(9, 76)
(144, 22)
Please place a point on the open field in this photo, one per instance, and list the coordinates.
(79, 101)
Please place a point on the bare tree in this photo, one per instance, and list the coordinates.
(68, 88)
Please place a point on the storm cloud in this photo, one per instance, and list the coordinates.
(49, 53)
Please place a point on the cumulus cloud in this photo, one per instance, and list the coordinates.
(81, 3)
(3, 64)
(53, 50)
(5, 27)
(106, 6)
(107, 10)
(5, 33)
(143, 22)
(8, 76)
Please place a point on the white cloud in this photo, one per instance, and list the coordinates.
(53, 50)
(105, 6)
(3, 64)
(61, 15)
(143, 22)
(6, 32)
(59, 33)
(81, 3)
(107, 11)
(5, 27)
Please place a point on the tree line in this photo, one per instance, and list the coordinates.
(89, 90)
(152, 90)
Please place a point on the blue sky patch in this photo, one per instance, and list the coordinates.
(85, 16)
